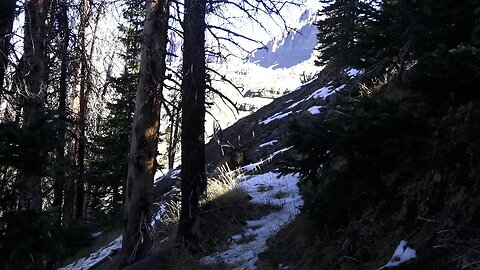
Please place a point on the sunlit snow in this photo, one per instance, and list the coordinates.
(276, 116)
(254, 166)
(353, 72)
(96, 257)
(270, 143)
(264, 189)
(315, 109)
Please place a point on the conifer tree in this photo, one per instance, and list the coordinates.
(341, 26)
(110, 152)
(337, 30)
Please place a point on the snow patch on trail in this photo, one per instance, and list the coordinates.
(269, 189)
(94, 258)
(402, 254)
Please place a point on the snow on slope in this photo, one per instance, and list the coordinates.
(402, 254)
(264, 189)
(288, 62)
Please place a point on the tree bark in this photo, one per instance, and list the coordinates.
(193, 120)
(7, 16)
(137, 238)
(174, 138)
(59, 184)
(34, 73)
(80, 164)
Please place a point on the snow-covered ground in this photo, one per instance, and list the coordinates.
(268, 189)
(96, 257)
(321, 93)
(106, 251)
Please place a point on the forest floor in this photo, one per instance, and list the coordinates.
(279, 193)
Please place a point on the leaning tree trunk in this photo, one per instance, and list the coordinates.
(138, 238)
(34, 76)
(193, 120)
(7, 16)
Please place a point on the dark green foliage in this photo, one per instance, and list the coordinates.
(438, 40)
(342, 25)
(378, 172)
(28, 240)
(110, 148)
(21, 150)
(446, 46)
(344, 160)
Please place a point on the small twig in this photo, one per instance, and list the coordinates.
(352, 259)
(428, 220)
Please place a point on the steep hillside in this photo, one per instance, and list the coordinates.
(375, 164)
(269, 127)
(388, 173)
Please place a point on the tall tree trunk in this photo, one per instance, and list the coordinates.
(193, 120)
(83, 99)
(59, 184)
(34, 74)
(137, 238)
(7, 16)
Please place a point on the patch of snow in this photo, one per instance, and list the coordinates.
(175, 173)
(288, 101)
(353, 72)
(254, 166)
(402, 254)
(315, 109)
(325, 91)
(94, 258)
(270, 143)
(159, 214)
(295, 104)
(276, 116)
(160, 175)
(264, 189)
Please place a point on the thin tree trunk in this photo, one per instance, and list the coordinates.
(172, 146)
(7, 16)
(34, 70)
(193, 121)
(80, 158)
(59, 184)
(137, 238)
